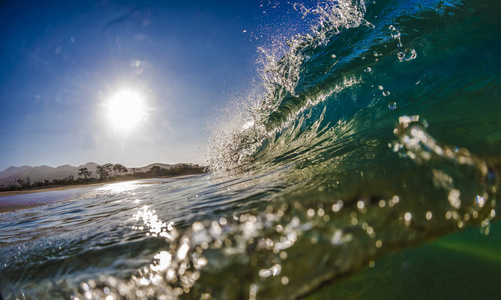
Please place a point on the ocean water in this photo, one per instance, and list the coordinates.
(373, 149)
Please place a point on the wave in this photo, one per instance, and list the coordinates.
(349, 75)
(381, 103)
(377, 130)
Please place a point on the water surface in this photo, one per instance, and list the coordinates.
(378, 131)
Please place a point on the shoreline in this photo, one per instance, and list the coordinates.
(75, 186)
(11, 207)
(7, 207)
(50, 189)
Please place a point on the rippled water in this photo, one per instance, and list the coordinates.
(377, 131)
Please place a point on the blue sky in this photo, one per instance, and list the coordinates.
(63, 60)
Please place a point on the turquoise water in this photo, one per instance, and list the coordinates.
(462, 265)
(376, 132)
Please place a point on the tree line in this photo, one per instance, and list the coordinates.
(104, 173)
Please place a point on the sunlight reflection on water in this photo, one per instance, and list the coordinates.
(121, 187)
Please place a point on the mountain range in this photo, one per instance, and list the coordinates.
(41, 173)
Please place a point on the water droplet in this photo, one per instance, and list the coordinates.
(407, 54)
(480, 200)
(367, 70)
(360, 204)
(395, 35)
(386, 93)
(392, 105)
(380, 87)
(407, 217)
(333, 55)
(337, 206)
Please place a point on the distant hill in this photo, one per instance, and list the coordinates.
(148, 167)
(41, 173)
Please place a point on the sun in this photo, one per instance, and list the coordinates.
(125, 110)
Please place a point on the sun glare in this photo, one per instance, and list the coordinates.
(126, 110)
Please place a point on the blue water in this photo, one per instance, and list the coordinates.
(376, 131)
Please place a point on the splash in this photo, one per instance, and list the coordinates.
(280, 74)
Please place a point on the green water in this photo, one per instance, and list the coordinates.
(462, 265)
